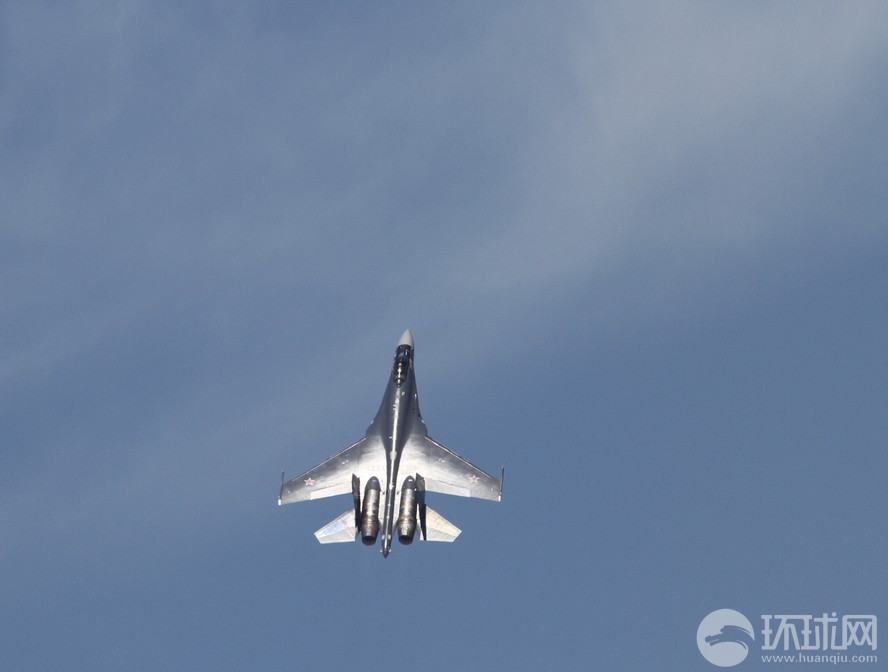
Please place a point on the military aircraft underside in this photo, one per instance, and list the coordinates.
(396, 461)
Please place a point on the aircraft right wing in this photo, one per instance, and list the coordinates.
(334, 476)
(446, 472)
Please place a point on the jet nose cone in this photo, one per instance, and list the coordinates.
(406, 339)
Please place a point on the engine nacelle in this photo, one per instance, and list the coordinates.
(370, 512)
(407, 512)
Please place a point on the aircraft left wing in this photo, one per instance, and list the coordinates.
(446, 472)
(333, 476)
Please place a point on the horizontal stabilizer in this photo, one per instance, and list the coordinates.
(339, 530)
(435, 527)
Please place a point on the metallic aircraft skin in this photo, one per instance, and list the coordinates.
(396, 442)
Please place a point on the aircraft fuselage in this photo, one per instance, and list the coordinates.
(396, 421)
(396, 442)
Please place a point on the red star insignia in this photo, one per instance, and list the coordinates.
(309, 481)
(473, 478)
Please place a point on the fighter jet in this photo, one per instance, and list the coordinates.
(396, 461)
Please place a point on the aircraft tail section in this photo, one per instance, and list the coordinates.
(435, 527)
(339, 529)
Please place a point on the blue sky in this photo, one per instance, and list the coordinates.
(644, 254)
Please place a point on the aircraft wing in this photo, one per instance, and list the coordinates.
(446, 472)
(334, 476)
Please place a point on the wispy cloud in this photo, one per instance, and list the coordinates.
(206, 204)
